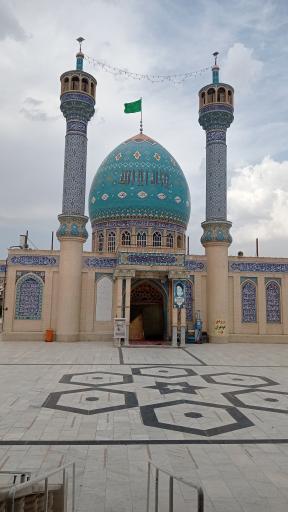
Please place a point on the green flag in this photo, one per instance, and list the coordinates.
(134, 106)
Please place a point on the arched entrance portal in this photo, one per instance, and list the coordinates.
(147, 312)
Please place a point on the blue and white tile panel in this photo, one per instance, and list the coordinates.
(34, 260)
(93, 262)
(249, 266)
(29, 296)
(196, 265)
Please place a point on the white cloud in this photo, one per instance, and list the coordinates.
(9, 25)
(258, 202)
(145, 37)
(241, 68)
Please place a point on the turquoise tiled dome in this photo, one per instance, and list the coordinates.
(140, 180)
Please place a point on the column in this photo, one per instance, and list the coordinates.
(284, 308)
(127, 308)
(217, 296)
(183, 327)
(69, 290)
(261, 300)
(174, 326)
(237, 304)
(119, 291)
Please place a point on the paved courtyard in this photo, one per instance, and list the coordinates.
(216, 415)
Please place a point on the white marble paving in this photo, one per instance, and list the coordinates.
(235, 477)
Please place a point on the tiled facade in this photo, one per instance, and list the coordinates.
(139, 208)
(261, 297)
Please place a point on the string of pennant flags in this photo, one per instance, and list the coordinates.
(176, 78)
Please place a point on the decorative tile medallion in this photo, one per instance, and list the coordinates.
(142, 194)
(161, 196)
(122, 195)
(104, 197)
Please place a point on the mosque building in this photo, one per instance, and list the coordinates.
(138, 270)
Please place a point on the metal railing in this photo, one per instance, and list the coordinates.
(19, 488)
(24, 475)
(200, 495)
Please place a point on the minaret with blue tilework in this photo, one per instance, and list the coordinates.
(215, 116)
(78, 90)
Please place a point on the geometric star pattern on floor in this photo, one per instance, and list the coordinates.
(107, 391)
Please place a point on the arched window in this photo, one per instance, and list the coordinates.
(157, 239)
(29, 292)
(273, 302)
(249, 302)
(230, 98)
(179, 242)
(92, 90)
(84, 85)
(170, 240)
(66, 84)
(141, 239)
(100, 241)
(75, 83)
(126, 238)
(203, 99)
(221, 93)
(210, 95)
(111, 241)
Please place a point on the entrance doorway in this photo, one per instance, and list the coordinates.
(146, 313)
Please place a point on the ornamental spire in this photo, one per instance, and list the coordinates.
(80, 55)
(215, 69)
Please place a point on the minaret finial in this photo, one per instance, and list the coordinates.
(215, 69)
(80, 41)
(215, 55)
(80, 55)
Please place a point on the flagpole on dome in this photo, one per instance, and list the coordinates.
(141, 120)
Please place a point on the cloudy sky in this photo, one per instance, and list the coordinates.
(37, 41)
